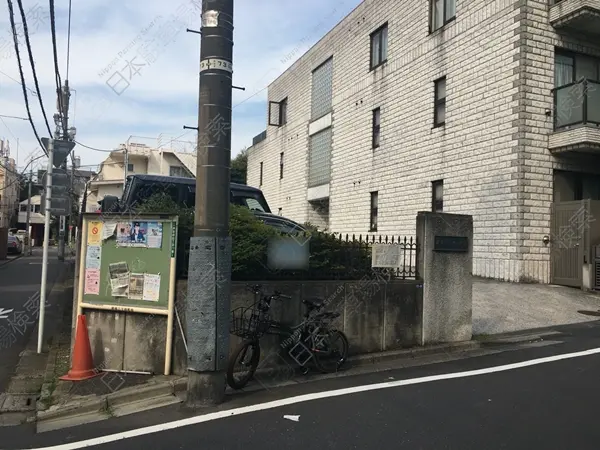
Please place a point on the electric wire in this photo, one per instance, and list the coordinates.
(16, 42)
(32, 63)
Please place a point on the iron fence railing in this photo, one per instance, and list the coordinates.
(332, 257)
(577, 103)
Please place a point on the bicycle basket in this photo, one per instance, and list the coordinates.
(249, 322)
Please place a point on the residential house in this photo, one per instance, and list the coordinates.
(141, 159)
(36, 219)
(482, 107)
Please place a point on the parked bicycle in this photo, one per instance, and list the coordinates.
(313, 340)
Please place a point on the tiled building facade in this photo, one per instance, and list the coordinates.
(410, 106)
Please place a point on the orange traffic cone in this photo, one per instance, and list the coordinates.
(82, 367)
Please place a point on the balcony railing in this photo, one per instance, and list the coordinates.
(577, 103)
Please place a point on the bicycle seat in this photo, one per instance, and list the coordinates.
(313, 303)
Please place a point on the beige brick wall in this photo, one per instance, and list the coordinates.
(539, 40)
(493, 154)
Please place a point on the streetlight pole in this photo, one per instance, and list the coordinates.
(209, 279)
(28, 226)
(46, 242)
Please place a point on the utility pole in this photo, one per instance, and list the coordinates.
(28, 226)
(209, 280)
(46, 242)
(65, 96)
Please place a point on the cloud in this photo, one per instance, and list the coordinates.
(160, 96)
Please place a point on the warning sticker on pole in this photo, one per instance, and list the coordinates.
(214, 63)
(95, 233)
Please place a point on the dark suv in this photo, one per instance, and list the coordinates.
(183, 191)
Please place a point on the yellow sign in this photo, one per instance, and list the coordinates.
(95, 233)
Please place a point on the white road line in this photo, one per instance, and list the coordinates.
(309, 397)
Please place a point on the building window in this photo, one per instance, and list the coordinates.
(374, 199)
(283, 111)
(441, 12)
(281, 165)
(22, 208)
(322, 90)
(278, 113)
(439, 113)
(376, 126)
(129, 167)
(437, 196)
(570, 67)
(261, 174)
(280, 211)
(177, 171)
(379, 46)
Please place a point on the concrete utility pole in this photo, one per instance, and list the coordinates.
(65, 97)
(28, 223)
(45, 250)
(209, 279)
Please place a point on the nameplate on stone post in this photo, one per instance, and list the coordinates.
(451, 244)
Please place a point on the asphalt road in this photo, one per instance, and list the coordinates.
(546, 403)
(19, 291)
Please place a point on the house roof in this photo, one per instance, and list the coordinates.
(35, 200)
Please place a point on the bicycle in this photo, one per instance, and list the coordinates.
(311, 340)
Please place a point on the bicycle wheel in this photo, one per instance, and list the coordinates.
(331, 351)
(248, 355)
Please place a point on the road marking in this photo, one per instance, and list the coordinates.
(294, 418)
(309, 397)
(4, 313)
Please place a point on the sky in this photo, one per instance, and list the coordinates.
(135, 70)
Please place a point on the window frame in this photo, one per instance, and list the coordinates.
(281, 166)
(445, 20)
(434, 201)
(130, 168)
(373, 211)
(378, 34)
(439, 102)
(260, 183)
(376, 128)
(573, 56)
(283, 104)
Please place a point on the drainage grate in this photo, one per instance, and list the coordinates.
(19, 403)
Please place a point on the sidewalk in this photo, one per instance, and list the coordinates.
(18, 403)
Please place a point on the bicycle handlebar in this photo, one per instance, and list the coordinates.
(280, 295)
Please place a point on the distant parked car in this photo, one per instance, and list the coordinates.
(15, 246)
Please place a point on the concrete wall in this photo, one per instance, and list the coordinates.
(448, 286)
(376, 318)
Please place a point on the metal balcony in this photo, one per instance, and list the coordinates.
(576, 118)
(576, 15)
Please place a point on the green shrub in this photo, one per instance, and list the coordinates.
(330, 256)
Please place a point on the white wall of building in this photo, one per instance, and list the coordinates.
(479, 153)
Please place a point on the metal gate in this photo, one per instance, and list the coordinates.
(568, 242)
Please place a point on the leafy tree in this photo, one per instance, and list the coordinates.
(239, 167)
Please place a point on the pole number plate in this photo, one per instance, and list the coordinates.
(214, 63)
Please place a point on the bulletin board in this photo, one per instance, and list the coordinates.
(127, 263)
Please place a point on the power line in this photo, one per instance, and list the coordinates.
(56, 71)
(35, 78)
(34, 93)
(95, 149)
(69, 41)
(16, 42)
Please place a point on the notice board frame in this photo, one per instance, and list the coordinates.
(168, 250)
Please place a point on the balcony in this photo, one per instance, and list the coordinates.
(576, 118)
(576, 15)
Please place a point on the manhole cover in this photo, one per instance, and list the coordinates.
(589, 313)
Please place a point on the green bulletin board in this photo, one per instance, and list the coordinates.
(133, 255)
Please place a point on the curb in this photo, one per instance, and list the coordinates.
(11, 260)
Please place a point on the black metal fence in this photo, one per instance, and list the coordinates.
(331, 257)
